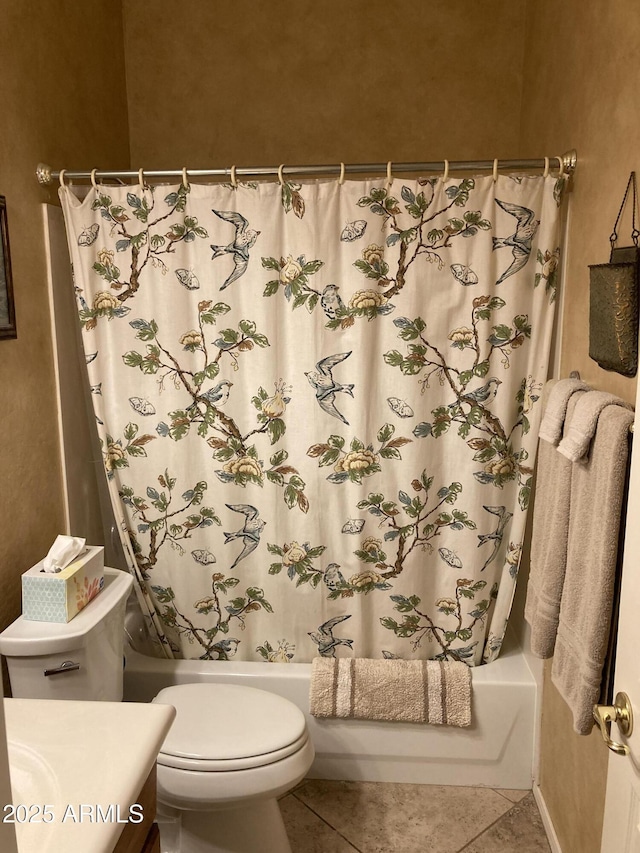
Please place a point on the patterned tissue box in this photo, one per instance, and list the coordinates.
(48, 597)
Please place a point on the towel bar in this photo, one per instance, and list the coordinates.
(575, 374)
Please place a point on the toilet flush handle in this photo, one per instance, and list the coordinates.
(65, 666)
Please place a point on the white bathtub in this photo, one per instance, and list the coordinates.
(496, 751)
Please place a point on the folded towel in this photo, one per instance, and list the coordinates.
(582, 427)
(556, 408)
(408, 691)
(597, 488)
(549, 539)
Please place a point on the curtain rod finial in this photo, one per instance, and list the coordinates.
(43, 173)
(570, 161)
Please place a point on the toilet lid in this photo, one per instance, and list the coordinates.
(228, 727)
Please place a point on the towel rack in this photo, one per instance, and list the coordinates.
(575, 374)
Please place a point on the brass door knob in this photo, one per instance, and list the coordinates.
(620, 712)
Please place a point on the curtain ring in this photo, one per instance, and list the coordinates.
(280, 175)
(341, 178)
(61, 177)
(234, 180)
(495, 170)
(141, 179)
(561, 165)
(545, 174)
(389, 175)
(185, 180)
(93, 179)
(445, 174)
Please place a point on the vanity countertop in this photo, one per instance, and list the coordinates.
(77, 768)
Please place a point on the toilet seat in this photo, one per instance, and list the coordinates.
(228, 727)
(209, 765)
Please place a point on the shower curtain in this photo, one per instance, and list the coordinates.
(318, 404)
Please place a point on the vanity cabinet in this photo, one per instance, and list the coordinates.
(152, 844)
(61, 749)
(142, 837)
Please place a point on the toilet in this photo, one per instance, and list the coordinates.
(231, 752)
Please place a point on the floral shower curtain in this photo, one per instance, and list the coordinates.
(318, 405)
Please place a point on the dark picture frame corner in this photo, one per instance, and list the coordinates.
(7, 306)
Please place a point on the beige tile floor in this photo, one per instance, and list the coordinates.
(374, 817)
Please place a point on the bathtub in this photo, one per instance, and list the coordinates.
(495, 751)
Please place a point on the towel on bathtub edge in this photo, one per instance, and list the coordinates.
(408, 691)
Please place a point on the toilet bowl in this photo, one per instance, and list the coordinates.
(231, 752)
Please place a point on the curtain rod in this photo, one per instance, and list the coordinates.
(566, 165)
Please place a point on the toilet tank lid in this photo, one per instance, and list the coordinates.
(25, 638)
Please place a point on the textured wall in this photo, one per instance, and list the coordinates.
(580, 91)
(63, 101)
(214, 84)
(581, 84)
(307, 82)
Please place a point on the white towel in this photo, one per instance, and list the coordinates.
(409, 691)
(556, 408)
(582, 428)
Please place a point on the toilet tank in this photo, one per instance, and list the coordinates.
(80, 659)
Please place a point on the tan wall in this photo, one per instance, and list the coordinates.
(581, 83)
(63, 101)
(305, 82)
(302, 81)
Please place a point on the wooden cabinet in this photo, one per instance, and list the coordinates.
(142, 837)
(152, 844)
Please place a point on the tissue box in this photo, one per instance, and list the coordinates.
(48, 597)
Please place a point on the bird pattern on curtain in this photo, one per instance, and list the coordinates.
(318, 404)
